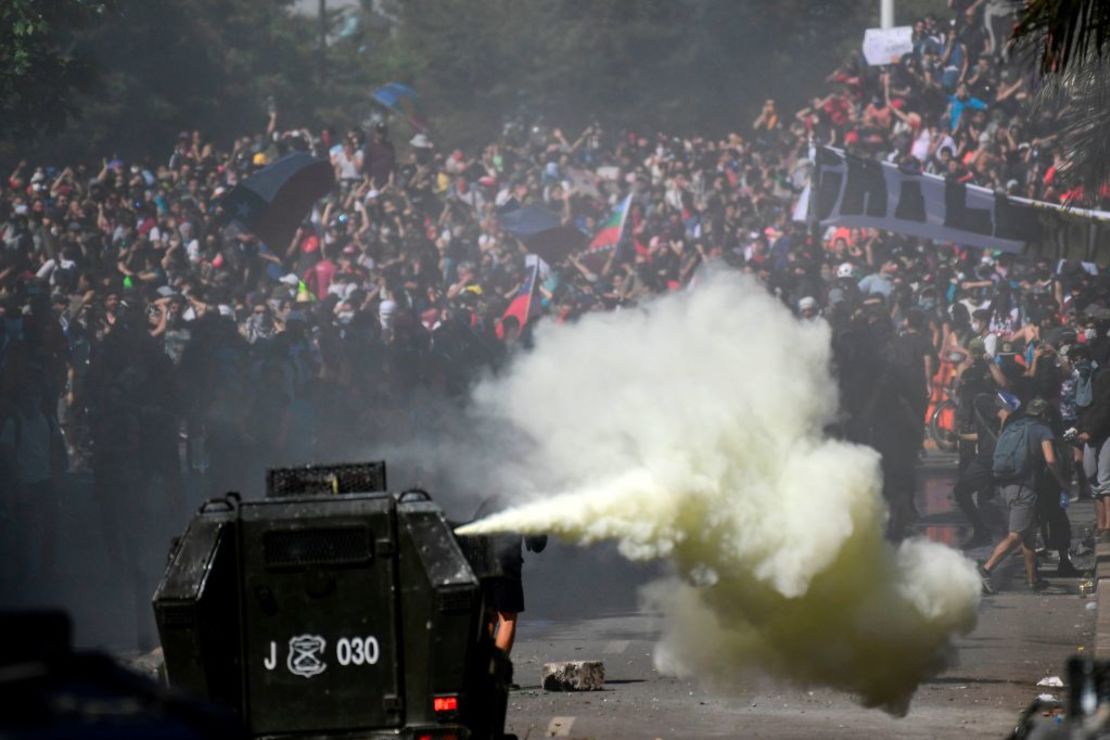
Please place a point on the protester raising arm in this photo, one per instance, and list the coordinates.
(16, 176)
(1005, 92)
(364, 220)
(60, 180)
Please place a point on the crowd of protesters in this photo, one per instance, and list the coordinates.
(144, 335)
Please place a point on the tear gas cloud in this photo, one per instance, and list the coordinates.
(692, 430)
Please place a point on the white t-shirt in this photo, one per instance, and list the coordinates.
(347, 166)
(919, 150)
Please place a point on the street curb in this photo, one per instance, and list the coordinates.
(1102, 590)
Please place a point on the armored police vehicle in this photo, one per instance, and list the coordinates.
(333, 609)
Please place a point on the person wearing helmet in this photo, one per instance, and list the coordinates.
(845, 288)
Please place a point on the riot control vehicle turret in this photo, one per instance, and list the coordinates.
(332, 608)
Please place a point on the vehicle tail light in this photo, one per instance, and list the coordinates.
(445, 704)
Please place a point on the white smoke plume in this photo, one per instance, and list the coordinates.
(691, 430)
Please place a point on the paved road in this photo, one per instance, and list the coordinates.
(576, 612)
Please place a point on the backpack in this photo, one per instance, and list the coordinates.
(1011, 453)
(1084, 385)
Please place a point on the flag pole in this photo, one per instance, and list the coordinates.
(811, 206)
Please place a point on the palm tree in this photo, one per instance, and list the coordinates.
(1071, 42)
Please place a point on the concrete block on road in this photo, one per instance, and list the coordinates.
(574, 675)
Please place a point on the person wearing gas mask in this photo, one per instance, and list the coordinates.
(260, 326)
(1096, 341)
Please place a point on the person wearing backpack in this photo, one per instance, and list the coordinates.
(1093, 402)
(1023, 454)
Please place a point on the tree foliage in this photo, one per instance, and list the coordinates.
(680, 64)
(167, 65)
(154, 67)
(40, 70)
(1071, 41)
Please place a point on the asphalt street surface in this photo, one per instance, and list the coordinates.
(582, 604)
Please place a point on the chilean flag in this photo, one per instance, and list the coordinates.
(611, 232)
(272, 202)
(521, 305)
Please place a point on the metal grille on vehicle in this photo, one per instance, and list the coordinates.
(317, 546)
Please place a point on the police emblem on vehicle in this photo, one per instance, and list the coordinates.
(306, 655)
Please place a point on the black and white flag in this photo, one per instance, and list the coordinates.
(851, 191)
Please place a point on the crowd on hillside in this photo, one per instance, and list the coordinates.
(142, 335)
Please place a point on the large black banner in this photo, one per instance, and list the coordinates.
(855, 192)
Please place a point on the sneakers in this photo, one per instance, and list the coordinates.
(985, 578)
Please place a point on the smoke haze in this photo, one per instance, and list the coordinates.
(692, 430)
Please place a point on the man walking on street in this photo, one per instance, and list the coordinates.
(1023, 454)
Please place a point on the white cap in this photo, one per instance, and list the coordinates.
(421, 141)
(291, 280)
(809, 302)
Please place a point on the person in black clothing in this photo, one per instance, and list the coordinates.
(977, 375)
(1055, 526)
(1094, 432)
(977, 477)
(916, 361)
(505, 593)
(1098, 343)
(1054, 522)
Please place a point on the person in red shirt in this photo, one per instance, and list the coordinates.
(318, 277)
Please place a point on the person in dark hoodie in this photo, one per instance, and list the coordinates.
(977, 477)
(1094, 432)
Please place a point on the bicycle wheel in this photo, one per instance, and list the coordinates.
(942, 426)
